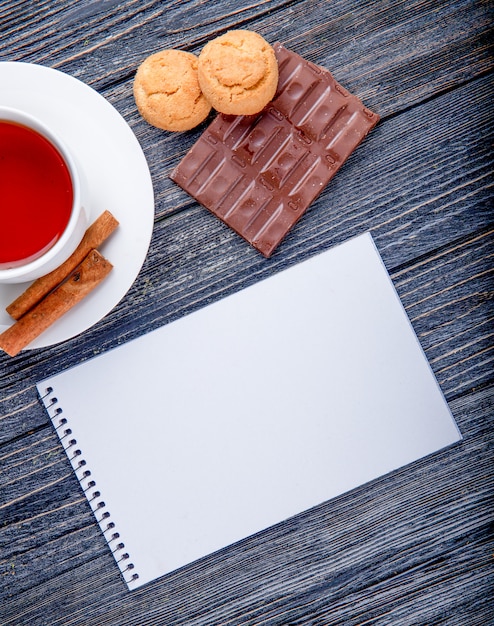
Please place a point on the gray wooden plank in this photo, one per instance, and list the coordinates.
(372, 47)
(372, 61)
(377, 554)
(413, 548)
(444, 310)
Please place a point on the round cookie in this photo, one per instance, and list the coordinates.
(167, 92)
(238, 72)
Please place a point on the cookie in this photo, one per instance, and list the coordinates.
(238, 72)
(167, 92)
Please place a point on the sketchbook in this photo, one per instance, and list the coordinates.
(249, 411)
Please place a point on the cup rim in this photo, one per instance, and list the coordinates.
(27, 119)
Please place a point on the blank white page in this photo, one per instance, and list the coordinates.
(250, 410)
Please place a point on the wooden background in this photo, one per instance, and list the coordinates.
(415, 547)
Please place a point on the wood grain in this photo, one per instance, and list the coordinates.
(414, 547)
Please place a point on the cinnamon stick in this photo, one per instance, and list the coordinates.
(79, 283)
(94, 236)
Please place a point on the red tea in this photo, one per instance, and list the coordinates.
(36, 194)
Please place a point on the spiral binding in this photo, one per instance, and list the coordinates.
(88, 484)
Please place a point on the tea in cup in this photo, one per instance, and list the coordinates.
(43, 198)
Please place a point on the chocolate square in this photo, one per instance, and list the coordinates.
(260, 173)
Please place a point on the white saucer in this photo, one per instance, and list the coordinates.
(118, 178)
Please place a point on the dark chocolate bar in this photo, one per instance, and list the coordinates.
(260, 173)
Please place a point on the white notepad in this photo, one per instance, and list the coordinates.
(249, 411)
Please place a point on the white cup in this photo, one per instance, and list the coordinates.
(19, 272)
